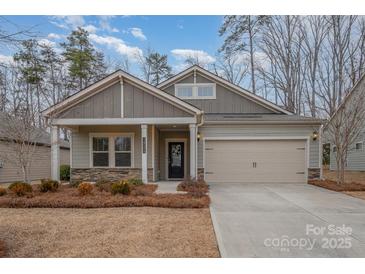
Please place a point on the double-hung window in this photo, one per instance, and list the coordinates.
(196, 91)
(111, 149)
(123, 151)
(100, 151)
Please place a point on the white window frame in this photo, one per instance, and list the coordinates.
(195, 90)
(111, 137)
(362, 146)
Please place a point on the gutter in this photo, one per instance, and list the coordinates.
(318, 123)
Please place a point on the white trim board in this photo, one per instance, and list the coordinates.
(111, 151)
(171, 140)
(268, 138)
(124, 121)
(153, 129)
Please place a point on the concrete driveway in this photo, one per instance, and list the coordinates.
(286, 220)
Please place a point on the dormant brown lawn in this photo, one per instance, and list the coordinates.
(107, 232)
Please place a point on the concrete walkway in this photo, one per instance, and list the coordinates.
(167, 187)
(286, 220)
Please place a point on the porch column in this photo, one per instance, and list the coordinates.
(55, 153)
(144, 153)
(193, 149)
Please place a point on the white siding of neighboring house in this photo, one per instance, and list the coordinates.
(355, 158)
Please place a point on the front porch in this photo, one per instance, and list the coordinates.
(150, 151)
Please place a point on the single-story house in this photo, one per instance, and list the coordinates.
(40, 167)
(193, 124)
(356, 152)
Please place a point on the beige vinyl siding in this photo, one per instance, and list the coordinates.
(81, 146)
(226, 100)
(163, 158)
(40, 166)
(261, 131)
(260, 161)
(105, 104)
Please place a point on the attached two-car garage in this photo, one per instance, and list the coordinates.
(261, 161)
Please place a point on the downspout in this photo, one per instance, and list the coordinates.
(201, 119)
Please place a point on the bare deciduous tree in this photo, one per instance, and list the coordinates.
(282, 44)
(233, 67)
(346, 125)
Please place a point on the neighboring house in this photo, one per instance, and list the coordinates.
(193, 124)
(356, 153)
(40, 167)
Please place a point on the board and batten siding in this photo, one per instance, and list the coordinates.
(40, 167)
(136, 104)
(237, 131)
(226, 101)
(105, 104)
(81, 146)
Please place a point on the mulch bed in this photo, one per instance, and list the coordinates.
(68, 197)
(2, 249)
(332, 185)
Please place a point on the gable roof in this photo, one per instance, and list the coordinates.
(344, 101)
(41, 137)
(232, 87)
(112, 79)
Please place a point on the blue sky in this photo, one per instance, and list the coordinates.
(121, 36)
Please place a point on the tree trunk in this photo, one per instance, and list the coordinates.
(26, 174)
(253, 82)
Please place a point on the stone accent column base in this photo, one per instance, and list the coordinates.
(200, 174)
(314, 173)
(111, 174)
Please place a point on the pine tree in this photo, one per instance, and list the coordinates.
(32, 71)
(85, 63)
(159, 68)
(53, 65)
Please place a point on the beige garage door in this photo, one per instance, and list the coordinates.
(266, 161)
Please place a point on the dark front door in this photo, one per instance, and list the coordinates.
(176, 160)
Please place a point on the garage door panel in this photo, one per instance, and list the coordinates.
(276, 161)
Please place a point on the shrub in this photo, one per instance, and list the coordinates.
(103, 185)
(135, 182)
(48, 185)
(85, 188)
(20, 188)
(65, 172)
(197, 188)
(121, 187)
(75, 183)
(2, 191)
